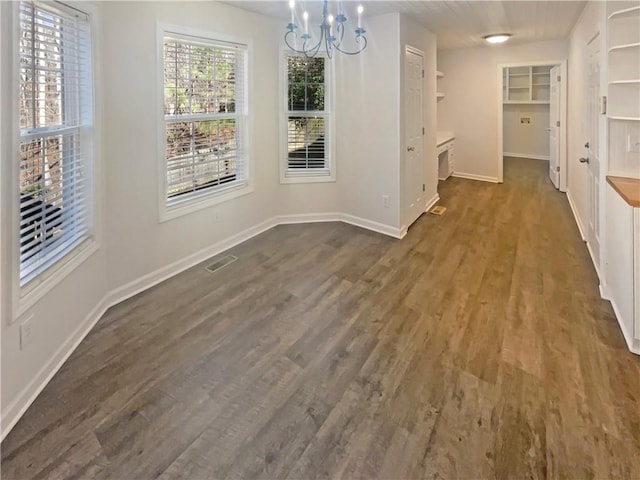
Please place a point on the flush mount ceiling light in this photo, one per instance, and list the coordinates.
(497, 37)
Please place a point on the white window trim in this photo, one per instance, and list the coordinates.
(24, 297)
(205, 199)
(288, 176)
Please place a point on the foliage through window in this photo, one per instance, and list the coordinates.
(204, 90)
(307, 116)
(55, 119)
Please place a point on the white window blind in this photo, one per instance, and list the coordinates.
(307, 116)
(55, 115)
(204, 111)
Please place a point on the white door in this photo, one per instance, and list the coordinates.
(414, 155)
(590, 159)
(554, 127)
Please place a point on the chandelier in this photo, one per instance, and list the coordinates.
(331, 35)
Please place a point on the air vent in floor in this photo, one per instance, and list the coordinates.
(439, 210)
(223, 262)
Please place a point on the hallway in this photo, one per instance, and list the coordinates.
(476, 347)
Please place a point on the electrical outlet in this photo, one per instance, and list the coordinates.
(26, 332)
(633, 143)
(385, 201)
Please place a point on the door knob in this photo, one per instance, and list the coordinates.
(410, 149)
(584, 160)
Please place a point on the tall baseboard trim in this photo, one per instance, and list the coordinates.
(12, 414)
(632, 345)
(19, 406)
(473, 176)
(576, 216)
(525, 155)
(341, 217)
(435, 199)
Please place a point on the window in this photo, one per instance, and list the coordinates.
(308, 119)
(55, 115)
(205, 114)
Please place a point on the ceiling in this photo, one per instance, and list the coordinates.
(460, 23)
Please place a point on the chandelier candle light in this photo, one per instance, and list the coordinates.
(331, 37)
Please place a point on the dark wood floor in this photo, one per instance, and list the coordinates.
(477, 347)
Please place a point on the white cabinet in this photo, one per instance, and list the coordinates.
(526, 84)
(623, 264)
(446, 154)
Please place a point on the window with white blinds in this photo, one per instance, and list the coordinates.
(204, 112)
(55, 115)
(307, 116)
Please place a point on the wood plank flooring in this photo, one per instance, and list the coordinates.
(477, 347)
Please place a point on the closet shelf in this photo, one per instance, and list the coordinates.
(624, 11)
(616, 117)
(439, 74)
(526, 102)
(624, 46)
(623, 82)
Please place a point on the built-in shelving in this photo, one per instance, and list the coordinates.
(623, 47)
(623, 88)
(439, 75)
(523, 85)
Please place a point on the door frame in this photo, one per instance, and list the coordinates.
(562, 137)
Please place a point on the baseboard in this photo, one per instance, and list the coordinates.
(12, 414)
(19, 406)
(472, 176)
(121, 294)
(526, 155)
(340, 217)
(632, 345)
(371, 225)
(435, 199)
(576, 216)
(593, 260)
(604, 292)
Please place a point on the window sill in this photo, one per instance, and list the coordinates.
(324, 176)
(35, 290)
(202, 201)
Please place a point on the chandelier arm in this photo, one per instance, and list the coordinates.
(340, 32)
(356, 52)
(304, 51)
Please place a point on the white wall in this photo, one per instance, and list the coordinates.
(526, 139)
(138, 243)
(471, 106)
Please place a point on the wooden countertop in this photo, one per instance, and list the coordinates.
(627, 188)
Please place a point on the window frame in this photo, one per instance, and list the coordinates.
(212, 196)
(291, 176)
(25, 294)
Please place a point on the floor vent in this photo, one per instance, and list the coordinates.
(439, 210)
(223, 262)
